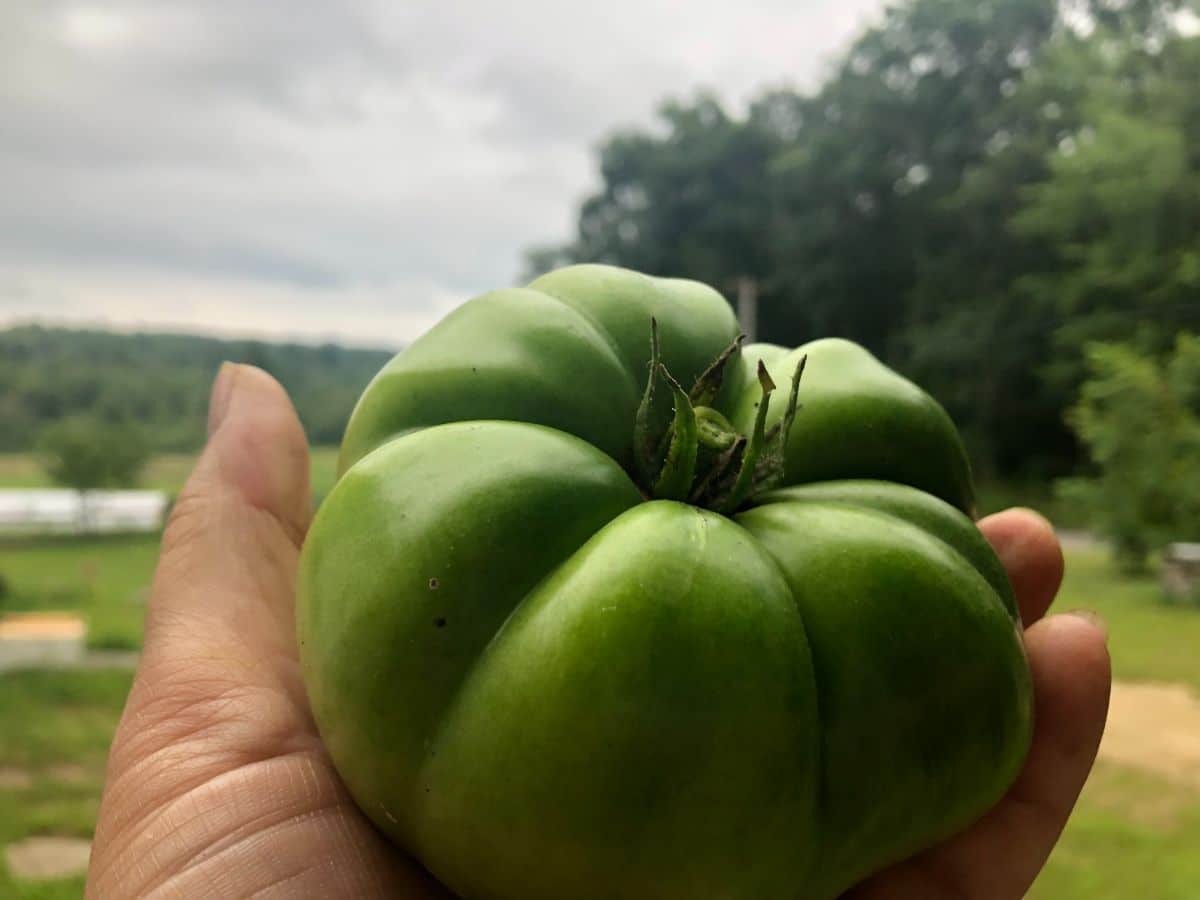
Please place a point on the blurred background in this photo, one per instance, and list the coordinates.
(1001, 198)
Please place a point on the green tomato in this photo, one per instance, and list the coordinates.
(544, 681)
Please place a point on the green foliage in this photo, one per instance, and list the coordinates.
(1075, 227)
(86, 454)
(693, 199)
(161, 382)
(1139, 419)
(977, 191)
(1118, 208)
(993, 496)
(827, 200)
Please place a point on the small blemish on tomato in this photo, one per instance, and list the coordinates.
(440, 622)
(434, 584)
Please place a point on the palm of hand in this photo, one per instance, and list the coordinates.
(218, 784)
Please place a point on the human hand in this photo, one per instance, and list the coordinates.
(218, 784)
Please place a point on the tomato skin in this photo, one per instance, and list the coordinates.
(919, 668)
(542, 685)
(570, 352)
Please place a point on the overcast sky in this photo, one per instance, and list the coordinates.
(346, 170)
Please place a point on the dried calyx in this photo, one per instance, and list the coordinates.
(699, 457)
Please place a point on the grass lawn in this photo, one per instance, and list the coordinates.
(57, 727)
(1149, 639)
(1133, 834)
(106, 578)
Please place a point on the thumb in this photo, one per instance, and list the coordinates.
(217, 783)
(229, 550)
(257, 454)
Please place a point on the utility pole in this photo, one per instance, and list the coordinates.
(747, 307)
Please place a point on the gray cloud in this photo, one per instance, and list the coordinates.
(366, 163)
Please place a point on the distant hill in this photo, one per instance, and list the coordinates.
(161, 382)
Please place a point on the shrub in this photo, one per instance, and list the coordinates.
(1139, 420)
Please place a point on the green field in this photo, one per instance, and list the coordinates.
(57, 726)
(103, 577)
(164, 473)
(1133, 835)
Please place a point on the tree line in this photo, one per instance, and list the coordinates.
(153, 388)
(978, 192)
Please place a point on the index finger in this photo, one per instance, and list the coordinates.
(1032, 556)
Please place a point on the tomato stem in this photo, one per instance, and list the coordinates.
(699, 456)
(771, 466)
(708, 385)
(745, 476)
(679, 468)
(645, 444)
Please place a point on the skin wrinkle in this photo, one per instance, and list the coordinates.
(248, 820)
(279, 885)
(319, 797)
(173, 791)
(134, 779)
(307, 793)
(193, 714)
(189, 713)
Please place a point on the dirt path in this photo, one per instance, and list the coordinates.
(38, 858)
(1155, 728)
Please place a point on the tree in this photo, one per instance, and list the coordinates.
(969, 335)
(161, 382)
(1072, 229)
(919, 202)
(885, 142)
(84, 454)
(1139, 418)
(690, 197)
(1121, 210)
(828, 201)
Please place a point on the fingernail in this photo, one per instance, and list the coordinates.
(222, 393)
(1092, 617)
